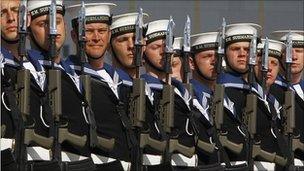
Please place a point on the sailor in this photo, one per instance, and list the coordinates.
(280, 85)
(73, 147)
(155, 76)
(203, 64)
(9, 60)
(111, 117)
(36, 132)
(237, 40)
(268, 108)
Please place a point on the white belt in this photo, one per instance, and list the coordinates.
(235, 163)
(70, 157)
(150, 159)
(261, 165)
(298, 162)
(38, 153)
(98, 159)
(7, 143)
(181, 160)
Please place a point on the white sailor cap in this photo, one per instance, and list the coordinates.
(156, 30)
(178, 45)
(41, 7)
(296, 35)
(95, 13)
(204, 41)
(241, 32)
(125, 23)
(275, 48)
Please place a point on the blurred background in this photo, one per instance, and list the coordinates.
(206, 15)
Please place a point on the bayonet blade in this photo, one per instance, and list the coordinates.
(81, 22)
(289, 48)
(187, 33)
(221, 43)
(23, 16)
(139, 28)
(169, 36)
(265, 55)
(253, 46)
(52, 12)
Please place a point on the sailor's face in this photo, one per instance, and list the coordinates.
(297, 60)
(40, 31)
(273, 70)
(155, 52)
(97, 37)
(237, 55)
(177, 71)
(123, 47)
(9, 19)
(205, 63)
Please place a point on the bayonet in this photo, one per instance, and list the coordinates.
(186, 53)
(139, 28)
(53, 14)
(169, 36)
(187, 33)
(221, 47)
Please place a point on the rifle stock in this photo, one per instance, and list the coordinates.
(105, 143)
(145, 140)
(31, 136)
(65, 135)
(208, 147)
(234, 147)
(175, 146)
(297, 144)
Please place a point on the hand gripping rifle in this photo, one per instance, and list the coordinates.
(217, 102)
(59, 131)
(25, 133)
(288, 107)
(95, 140)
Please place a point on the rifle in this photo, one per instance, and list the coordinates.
(59, 130)
(25, 133)
(167, 101)
(95, 140)
(217, 107)
(186, 81)
(250, 113)
(288, 107)
(137, 101)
